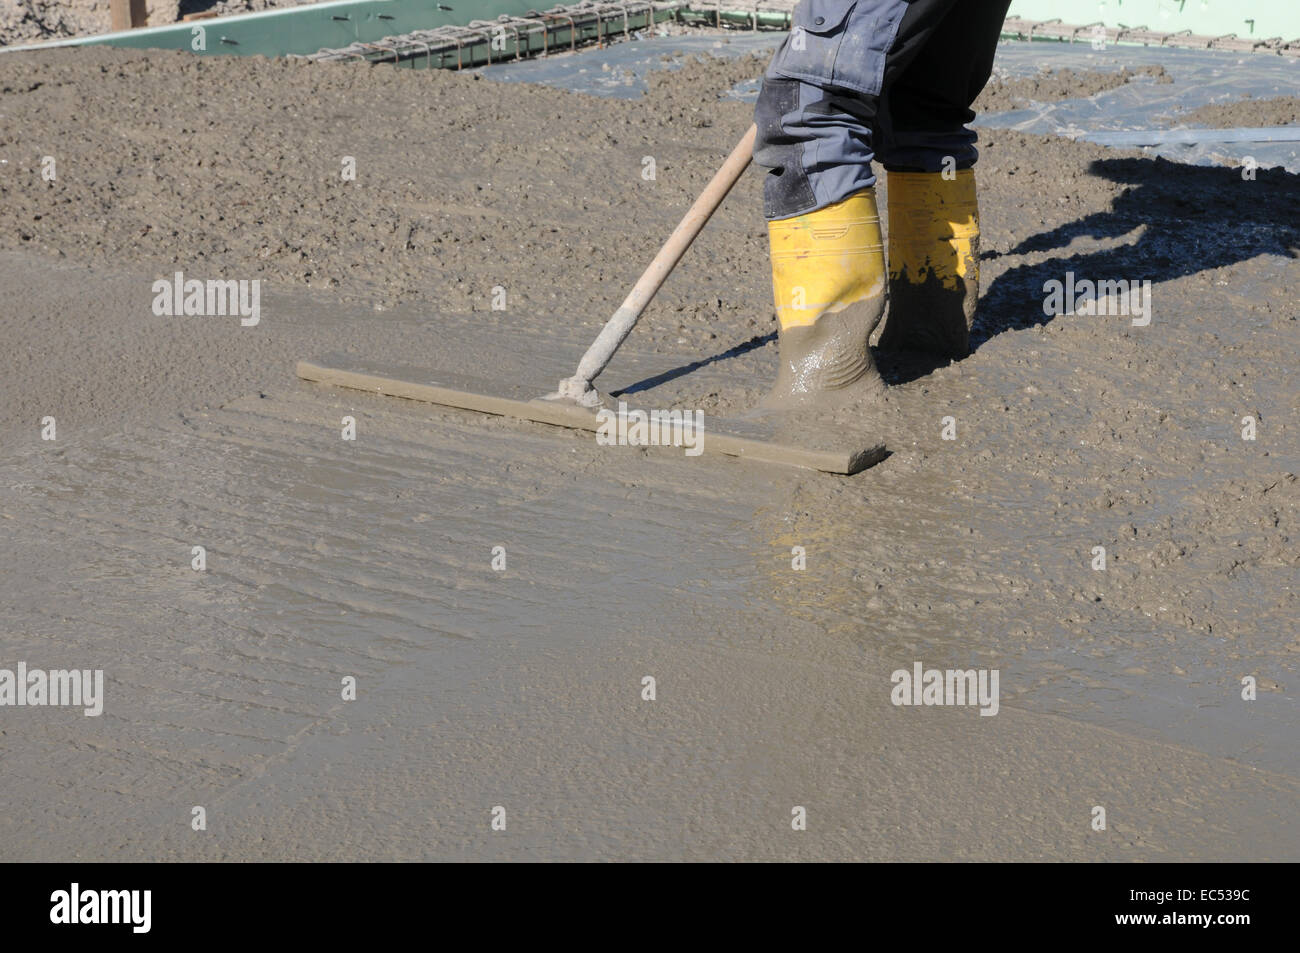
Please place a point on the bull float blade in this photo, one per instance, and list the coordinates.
(748, 439)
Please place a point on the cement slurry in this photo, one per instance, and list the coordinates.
(329, 558)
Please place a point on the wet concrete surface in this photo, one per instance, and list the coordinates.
(523, 688)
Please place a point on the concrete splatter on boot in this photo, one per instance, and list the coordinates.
(933, 262)
(828, 280)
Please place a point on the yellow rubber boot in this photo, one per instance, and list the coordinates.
(828, 281)
(933, 262)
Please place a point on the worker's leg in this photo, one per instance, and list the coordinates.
(929, 153)
(815, 114)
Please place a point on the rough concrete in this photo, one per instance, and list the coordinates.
(1011, 92)
(1276, 111)
(31, 21)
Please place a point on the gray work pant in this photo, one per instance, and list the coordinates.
(858, 80)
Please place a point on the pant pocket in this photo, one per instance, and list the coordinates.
(816, 32)
(840, 44)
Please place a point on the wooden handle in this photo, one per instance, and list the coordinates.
(618, 327)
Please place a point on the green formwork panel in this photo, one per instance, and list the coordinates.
(303, 30)
(307, 29)
(1248, 19)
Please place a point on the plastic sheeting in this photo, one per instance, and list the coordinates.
(1200, 78)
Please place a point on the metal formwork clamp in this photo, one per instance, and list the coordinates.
(1044, 23)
